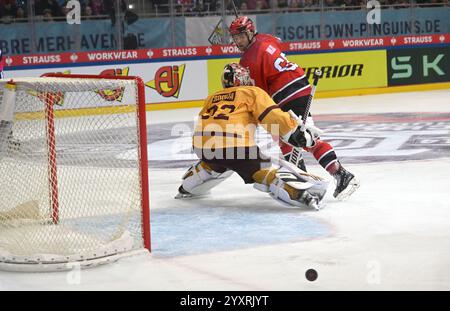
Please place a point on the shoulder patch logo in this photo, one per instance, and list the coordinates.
(270, 49)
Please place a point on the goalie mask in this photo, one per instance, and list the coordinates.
(236, 75)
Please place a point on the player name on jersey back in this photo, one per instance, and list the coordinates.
(229, 97)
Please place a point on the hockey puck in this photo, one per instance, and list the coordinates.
(311, 275)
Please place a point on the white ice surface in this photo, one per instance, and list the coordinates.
(392, 234)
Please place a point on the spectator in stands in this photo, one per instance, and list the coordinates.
(228, 5)
(261, 7)
(311, 5)
(251, 4)
(362, 4)
(96, 7)
(161, 6)
(199, 7)
(64, 9)
(263, 4)
(87, 13)
(243, 8)
(434, 3)
(182, 9)
(382, 2)
(8, 11)
(330, 4)
(49, 5)
(283, 4)
(184, 6)
(185, 2)
(349, 5)
(295, 4)
(21, 15)
(210, 5)
(47, 15)
(401, 4)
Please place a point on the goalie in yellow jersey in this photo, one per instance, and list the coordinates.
(224, 142)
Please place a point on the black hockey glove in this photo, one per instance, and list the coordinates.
(301, 138)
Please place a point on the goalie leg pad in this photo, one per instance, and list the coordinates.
(289, 189)
(319, 185)
(286, 188)
(199, 179)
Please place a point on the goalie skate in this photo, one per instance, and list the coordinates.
(183, 194)
(311, 201)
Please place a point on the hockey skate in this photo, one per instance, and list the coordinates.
(346, 184)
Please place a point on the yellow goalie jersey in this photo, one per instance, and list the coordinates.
(229, 118)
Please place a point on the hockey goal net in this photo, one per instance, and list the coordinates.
(73, 171)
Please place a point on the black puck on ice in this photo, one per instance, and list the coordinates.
(311, 275)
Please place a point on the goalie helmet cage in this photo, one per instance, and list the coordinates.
(74, 171)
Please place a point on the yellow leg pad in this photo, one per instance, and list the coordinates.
(294, 194)
(264, 176)
(267, 176)
(205, 166)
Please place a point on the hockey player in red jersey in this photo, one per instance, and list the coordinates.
(288, 86)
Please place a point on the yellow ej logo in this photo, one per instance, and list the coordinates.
(115, 94)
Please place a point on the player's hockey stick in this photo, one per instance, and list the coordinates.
(317, 75)
(296, 157)
(235, 9)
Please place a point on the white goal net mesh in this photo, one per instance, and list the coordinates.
(70, 171)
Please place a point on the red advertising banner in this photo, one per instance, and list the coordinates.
(220, 50)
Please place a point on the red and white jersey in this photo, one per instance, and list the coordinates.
(269, 67)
